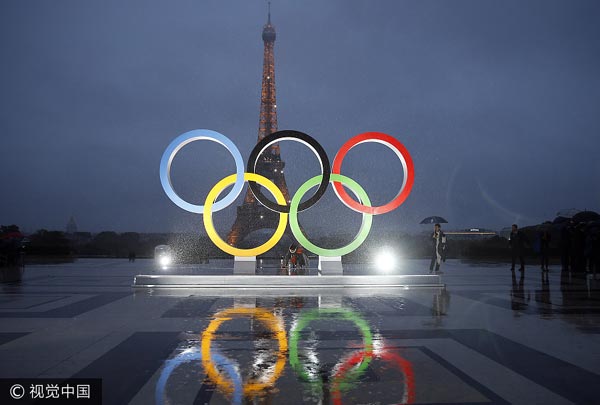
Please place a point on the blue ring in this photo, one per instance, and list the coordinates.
(194, 354)
(200, 135)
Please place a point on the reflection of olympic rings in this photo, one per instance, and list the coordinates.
(306, 318)
(238, 179)
(265, 317)
(193, 354)
(338, 385)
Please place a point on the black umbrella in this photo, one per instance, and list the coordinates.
(586, 216)
(593, 226)
(434, 220)
(568, 212)
(560, 220)
(544, 226)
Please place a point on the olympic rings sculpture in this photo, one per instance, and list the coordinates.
(329, 173)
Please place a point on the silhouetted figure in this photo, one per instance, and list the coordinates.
(516, 241)
(131, 256)
(592, 251)
(565, 247)
(12, 264)
(438, 248)
(596, 253)
(295, 259)
(545, 239)
(578, 249)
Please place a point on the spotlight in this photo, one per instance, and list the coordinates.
(385, 261)
(165, 261)
(163, 254)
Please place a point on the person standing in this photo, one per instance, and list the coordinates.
(545, 239)
(595, 253)
(565, 246)
(294, 259)
(438, 247)
(591, 251)
(578, 249)
(516, 242)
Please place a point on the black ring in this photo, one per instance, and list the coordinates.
(291, 135)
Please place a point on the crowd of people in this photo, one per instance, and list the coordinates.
(11, 246)
(578, 244)
(580, 248)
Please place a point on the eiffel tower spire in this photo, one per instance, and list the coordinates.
(252, 215)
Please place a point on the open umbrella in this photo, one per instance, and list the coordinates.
(434, 220)
(568, 212)
(586, 216)
(546, 226)
(560, 220)
(593, 226)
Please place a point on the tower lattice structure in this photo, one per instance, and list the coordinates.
(252, 215)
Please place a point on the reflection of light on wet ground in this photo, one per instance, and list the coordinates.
(413, 338)
(266, 371)
(244, 352)
(467, 348)
(406, 379)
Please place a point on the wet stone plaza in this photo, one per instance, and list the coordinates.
(488, 336)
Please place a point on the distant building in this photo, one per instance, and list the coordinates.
(71, 227)
(505, 232)
(82, 237)
(472, 233)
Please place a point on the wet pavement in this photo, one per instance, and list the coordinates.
(489, 337)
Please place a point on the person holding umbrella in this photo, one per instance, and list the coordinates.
(438, 244)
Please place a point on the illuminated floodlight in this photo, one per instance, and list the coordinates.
(385, 260)
(165, 261)
(163, 254)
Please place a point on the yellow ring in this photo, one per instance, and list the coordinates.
(208, 222)
(270, 321)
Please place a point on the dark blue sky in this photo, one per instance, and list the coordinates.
(498, 102)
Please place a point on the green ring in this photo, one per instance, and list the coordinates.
(306, 317)
(365, 227)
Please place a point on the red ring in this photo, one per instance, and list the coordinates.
(386, 355)
(402, 153)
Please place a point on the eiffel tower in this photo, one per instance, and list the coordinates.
(252, 215)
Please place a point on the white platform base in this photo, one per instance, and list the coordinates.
(330, 301)
(244, 302)
(330, 266)
(295, 282)
(244, 265)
